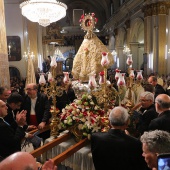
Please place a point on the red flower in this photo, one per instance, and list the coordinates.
(101, 73)
(82, 17)
(93, 14)
(104, 53)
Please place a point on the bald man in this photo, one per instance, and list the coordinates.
(23, 161)
(162, 105)
(114, 149)
(10, 138)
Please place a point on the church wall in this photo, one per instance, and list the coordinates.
(14, 27)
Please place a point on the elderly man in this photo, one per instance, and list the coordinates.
(158, 88)
(38, 108)
(4, 93)
(24, 161)
(162, 122)
(147, 112)
(155, 143)
(114, 150)
(10, 139)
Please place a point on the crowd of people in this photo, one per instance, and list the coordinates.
(24, 109)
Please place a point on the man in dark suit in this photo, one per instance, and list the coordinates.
(158, 88)
(10, 139)
(14, 102)
(147, 112)
(38, 108)
(115, 150)
(162, 122)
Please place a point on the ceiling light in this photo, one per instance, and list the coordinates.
(43, 11)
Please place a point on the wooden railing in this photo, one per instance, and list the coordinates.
(50, 145)
(61, 157)
(70, 151)
(47, 127)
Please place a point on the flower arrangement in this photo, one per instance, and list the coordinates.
(85, 113)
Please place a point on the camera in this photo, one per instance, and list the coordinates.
(164, 161)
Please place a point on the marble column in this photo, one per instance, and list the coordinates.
(156, 25)
(4, 64)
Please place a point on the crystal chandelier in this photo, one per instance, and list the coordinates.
(43, 11)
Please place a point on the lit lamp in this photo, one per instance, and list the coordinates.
(104, 94)
(52, 90)
(43, 11)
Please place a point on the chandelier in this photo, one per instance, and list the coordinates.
(43, 11)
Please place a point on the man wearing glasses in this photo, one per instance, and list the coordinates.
(38, 108)
(147, 112)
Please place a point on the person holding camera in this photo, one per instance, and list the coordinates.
(155, 143)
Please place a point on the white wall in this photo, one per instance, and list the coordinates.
(14, 27)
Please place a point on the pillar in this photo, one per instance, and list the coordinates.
(4, 64)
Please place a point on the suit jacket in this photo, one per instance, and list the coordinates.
(10, 118)
(115, 150)
(145, 118)
(159, 90)
(65, 99)
(162, 122)
(42, 108)
(10, 139)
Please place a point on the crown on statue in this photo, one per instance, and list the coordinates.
(88, 22)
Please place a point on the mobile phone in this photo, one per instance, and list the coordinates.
(164, 161)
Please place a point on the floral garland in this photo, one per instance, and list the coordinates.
(85, 113)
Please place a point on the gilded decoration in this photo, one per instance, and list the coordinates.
(53, 34)
(88, 58)
(156, 9)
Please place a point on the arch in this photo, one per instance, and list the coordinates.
(14, 72)
(137, 30)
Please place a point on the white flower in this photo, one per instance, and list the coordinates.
(96, 128)
(73, 112)
(65, 121)
(87, 107)
(63, 110)
(74, 117)
(92, 103)
(96, 108)
(80, 126)
(89, 97)
(83, 119)
(77, 110)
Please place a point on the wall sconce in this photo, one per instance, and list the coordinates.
(9, 49)
(169, 52)
(27, 55)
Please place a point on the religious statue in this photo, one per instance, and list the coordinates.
(88, 58)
